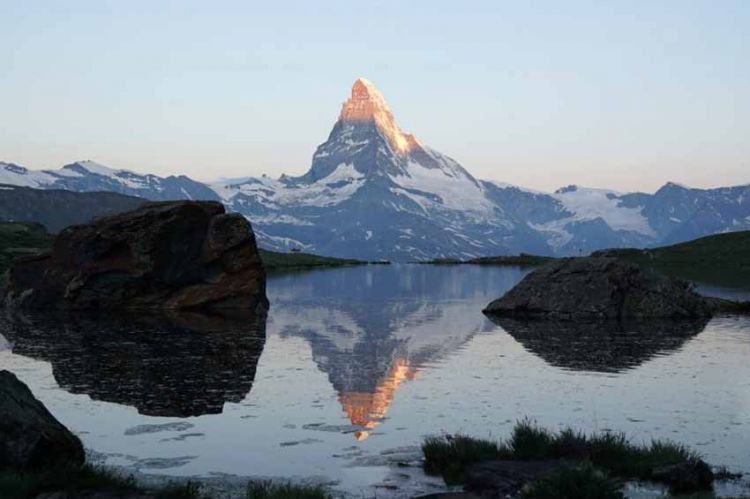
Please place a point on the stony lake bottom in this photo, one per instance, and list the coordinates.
(359, 364)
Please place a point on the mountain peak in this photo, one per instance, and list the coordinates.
(367, 105)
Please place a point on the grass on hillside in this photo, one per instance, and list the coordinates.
(522, 259)
(19, 239)
(722, 259)
(276, 261)
(449, 456)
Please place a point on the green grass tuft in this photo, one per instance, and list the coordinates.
(610, 452)
(73, 481)
(275, 261)
(267, 489)
(581, 482)
(21, 239)
(530, 441)
(451, 454)
(21, 485)
(720, 259)
(637, 461)
(187, 490)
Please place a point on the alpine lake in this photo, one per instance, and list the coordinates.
(355, 366)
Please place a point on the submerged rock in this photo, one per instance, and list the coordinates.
(599, 288)
(685, 477)
(30, 437)
(506, 478)
(167, 255)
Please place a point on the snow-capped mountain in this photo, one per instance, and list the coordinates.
(374, 191)
(87, 176)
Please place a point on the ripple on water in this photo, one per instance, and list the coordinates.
(157, 428)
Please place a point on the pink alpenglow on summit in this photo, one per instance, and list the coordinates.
(368, 104)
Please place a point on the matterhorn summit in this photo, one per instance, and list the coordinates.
(367, 105)
(367, 138)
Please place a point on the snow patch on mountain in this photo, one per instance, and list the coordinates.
(267, 240)
(339, 186)
(456, 190)
(11, 173)
(556, 235)
(97, 168)
(589, 204)
(281, 219)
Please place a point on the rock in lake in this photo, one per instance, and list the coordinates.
(30, 437)
(165, 255)
(685, 477)
(599, 288)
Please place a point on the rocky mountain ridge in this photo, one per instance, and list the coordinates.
(374, 191)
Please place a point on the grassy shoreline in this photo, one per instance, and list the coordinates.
(602, 461)
(275, 262)
(719, 259)
(521, 260)
(69, 481)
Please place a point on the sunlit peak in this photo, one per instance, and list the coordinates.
(367, 104)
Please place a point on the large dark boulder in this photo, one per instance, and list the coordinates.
(30, 437)
(599, 288)
(685, 477)
(167, 255)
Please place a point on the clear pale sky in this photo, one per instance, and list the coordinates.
(625, 95)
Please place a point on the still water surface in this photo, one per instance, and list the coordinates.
(359, 364)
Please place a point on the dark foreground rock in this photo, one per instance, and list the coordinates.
(168, 255)
(506, 478)
(599, 288)
(685, 477)
(30, 437)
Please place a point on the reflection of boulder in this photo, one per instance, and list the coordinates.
(607, 346)
(177, 365)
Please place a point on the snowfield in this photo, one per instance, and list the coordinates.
(589, 204)
(331, 190)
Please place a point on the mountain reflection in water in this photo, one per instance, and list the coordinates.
(174, 365)
(392, 353)
(608, 346)
(371, 331)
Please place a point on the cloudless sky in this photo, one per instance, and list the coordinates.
(625, 95)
